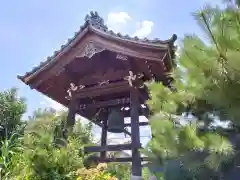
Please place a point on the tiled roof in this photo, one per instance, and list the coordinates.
(96, 22)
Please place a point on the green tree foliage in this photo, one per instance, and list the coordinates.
(41, 152)
(44, 156)
(97, 173)
(12, 108)
(83, 132)
(42, 113)
(122, 171)
(206, 85)
(9, 147)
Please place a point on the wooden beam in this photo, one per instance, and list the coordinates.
(142, 112)
(109, 103)
(127, 113)
(121, 86)
(140, 124)
(119, 159)
(109, 75)
(119, 147)
(103, 104)
(115, 102)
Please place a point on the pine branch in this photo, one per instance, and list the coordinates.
(209, 31)
(222, 58)
(236, 13)
(186, 53)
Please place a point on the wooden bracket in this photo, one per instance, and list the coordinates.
(133, 78)
(73, 88)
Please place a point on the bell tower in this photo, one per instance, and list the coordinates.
(98, 74)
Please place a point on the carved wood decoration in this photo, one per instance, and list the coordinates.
(104, 82)
(150, 69)
(73, 88)
(162, 60)
(90, 50)
(132, 78)
(122, 57)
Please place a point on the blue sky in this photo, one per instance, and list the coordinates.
(30, 30)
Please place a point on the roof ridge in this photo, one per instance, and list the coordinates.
(93, 19)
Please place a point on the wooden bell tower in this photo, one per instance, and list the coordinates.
(98, 71)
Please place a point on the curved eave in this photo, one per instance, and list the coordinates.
(56, 55)
(159, 44)
(156, 43)
(21, 78)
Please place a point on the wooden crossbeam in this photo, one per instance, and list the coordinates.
(112, 103)
(109, 103)
(119, 159)
(114, 87)
(141, 113)
(118, 147)
(140, 124)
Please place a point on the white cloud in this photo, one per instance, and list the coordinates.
(144, 28)
(118, 20)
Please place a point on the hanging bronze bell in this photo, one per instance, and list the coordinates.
(116, 121)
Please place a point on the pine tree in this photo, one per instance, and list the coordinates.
(206, 86)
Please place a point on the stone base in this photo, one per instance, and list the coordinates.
(136, 178)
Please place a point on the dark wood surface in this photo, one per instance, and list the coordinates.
(104, 138)
(118, 147)
(135, 137)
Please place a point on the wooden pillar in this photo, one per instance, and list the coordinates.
(135, 137)
(104, 138)
(71, 113)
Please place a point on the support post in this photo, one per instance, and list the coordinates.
(135, 137)
(71, 117)
(104, 138)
